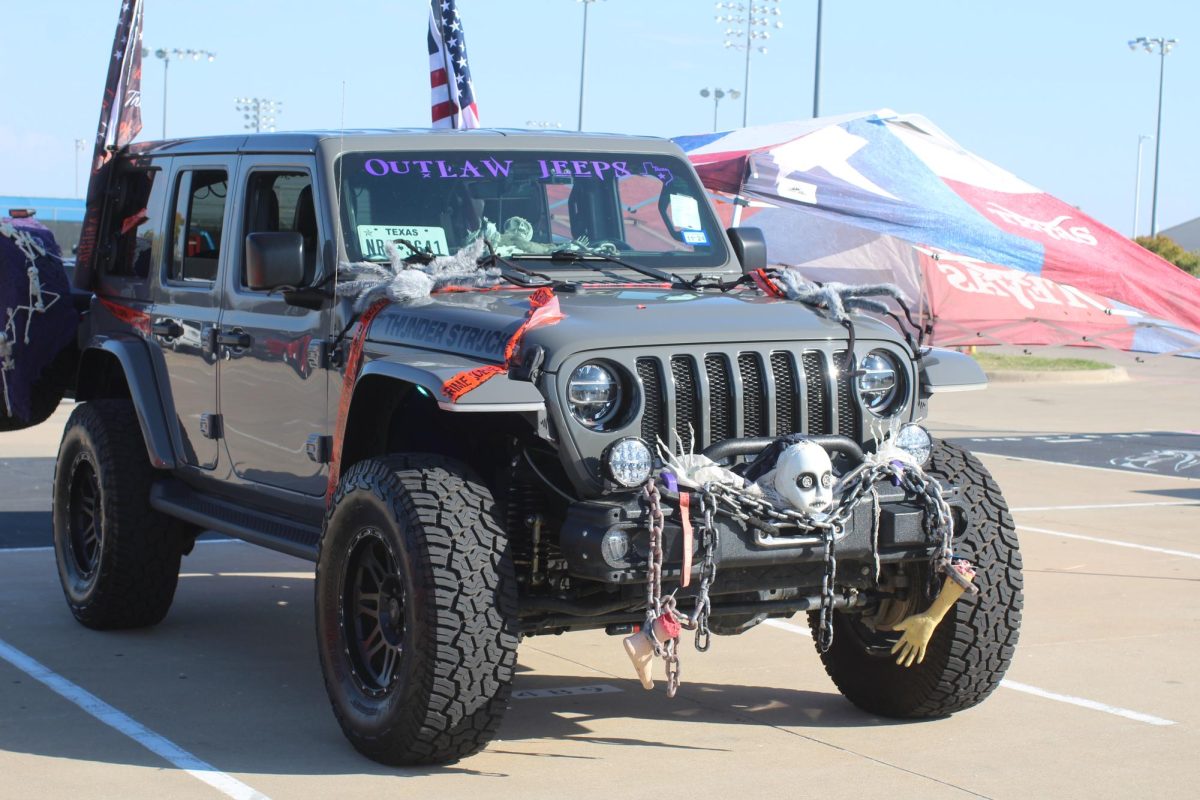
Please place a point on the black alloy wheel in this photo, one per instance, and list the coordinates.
(83, 517)
(372, 613)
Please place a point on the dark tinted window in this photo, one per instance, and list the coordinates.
(135, 224)
(199, 225)
(283, 202)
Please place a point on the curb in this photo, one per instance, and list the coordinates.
(1113, 375)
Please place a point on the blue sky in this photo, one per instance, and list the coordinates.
(1046, 89)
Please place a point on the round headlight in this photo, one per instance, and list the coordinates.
(629, 462)
(879, 383)
(915, 440)
(594, 394)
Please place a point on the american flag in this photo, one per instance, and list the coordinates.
(120, 122)
(453, 95)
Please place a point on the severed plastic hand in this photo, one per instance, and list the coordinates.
(918, 628)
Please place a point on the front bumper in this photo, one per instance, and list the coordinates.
(608, 540)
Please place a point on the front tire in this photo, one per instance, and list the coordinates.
(974, 644)
(416, 610)
(118, 558)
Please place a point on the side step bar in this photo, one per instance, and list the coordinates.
(177, 499)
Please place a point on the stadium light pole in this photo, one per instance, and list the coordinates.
(259, 112)
(583, 59)
(166, 55)
(817, 66)
(756, 17)
(717, 96)
(1137, 184)
(1164, 46)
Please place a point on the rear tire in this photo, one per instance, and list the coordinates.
(974, 644)
(118, 558)
(416, 610)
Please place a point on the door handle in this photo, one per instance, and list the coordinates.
(235, 338)
(167, 329)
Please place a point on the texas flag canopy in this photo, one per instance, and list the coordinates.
(882, 196)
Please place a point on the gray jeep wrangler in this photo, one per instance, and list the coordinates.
(464, 470)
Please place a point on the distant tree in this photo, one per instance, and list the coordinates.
(1169, 249)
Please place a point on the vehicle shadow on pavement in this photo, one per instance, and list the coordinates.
(232, 676)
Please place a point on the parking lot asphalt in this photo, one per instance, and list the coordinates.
(224, 698)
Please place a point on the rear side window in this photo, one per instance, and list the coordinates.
(136, 223)
(199, 210)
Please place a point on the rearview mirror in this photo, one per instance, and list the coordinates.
(750, 247)
(274, 259)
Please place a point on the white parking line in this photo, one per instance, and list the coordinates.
(1108, 505)
(50, 548)
(1138, 716)
(1086, 466)
(119, 721)
(1023, 687)
(1114, 542)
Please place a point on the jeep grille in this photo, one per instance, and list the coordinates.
(727, 394)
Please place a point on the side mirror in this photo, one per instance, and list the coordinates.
(750, 247)
(274, 260)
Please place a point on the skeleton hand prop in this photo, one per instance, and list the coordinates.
(918, 628)
(640, 646)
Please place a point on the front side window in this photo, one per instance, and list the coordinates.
(283, 202)
(646, 208)
(199, 224)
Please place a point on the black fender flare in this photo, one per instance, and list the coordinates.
(138, 370)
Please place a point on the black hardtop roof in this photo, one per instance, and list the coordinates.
(406, 138)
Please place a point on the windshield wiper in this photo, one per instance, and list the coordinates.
(516, 274)
(575, 257)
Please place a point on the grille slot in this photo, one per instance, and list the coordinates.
(720, 397)
(817, 394)
(653, 427)
(754, 395)
(846, 407)
(687, 401)
(787, 407)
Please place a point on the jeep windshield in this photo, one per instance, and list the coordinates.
(639, 208)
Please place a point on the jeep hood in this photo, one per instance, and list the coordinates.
(480, 324)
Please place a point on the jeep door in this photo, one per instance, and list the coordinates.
(274, 385)
(187, 299)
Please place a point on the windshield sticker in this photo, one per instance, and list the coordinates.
(655, 171)
(695, 237)
(438, 168)
(583, 169)
(374, 239)
(685, 212)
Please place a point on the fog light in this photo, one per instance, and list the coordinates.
(629, 462)
(914, 440)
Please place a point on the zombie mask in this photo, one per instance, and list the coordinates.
(804, 478)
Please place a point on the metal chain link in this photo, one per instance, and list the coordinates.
(654, 568)
(825, 626)
(708, 571)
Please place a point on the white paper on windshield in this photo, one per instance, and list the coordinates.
(685, 212)
(374, 239)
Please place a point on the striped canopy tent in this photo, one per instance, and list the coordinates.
(886, 197)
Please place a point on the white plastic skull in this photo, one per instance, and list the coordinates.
(804, 478)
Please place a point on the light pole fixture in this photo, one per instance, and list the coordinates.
(1137, 183)
(755, 18)
(718, 95)
(259, 112)
(1163, 46)
(80, 144)
(583, 58)
(165, 55)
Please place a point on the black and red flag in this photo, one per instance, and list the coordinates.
(120, 122)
